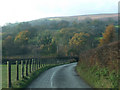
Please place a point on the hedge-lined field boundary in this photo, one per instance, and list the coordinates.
(100, 66)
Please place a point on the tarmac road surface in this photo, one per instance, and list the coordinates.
(63, 76)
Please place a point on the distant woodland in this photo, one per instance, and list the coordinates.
(48, 37)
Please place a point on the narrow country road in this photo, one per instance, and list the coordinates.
(63, 76)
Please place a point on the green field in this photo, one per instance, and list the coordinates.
(13, 74)
(0, 77)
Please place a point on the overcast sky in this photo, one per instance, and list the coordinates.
(25, 10)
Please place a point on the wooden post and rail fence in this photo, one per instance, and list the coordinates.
(29, 66)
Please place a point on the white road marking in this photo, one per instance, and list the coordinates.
(52, 79)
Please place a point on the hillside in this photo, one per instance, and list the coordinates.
(82, 17)
(53, 37)
(78, 18)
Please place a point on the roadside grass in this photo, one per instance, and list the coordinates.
(98, 77)
(23, 83)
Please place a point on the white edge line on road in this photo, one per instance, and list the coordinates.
(52, 79)
(54, 75)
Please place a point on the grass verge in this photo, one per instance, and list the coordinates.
(98, 77)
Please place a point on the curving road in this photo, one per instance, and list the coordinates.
(63, 76)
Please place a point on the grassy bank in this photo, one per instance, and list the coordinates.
(100, 67)
(98, 77)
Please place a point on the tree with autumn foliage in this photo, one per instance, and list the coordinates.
(78, 43)
(22, 37)
(21, 42)
(108, 35)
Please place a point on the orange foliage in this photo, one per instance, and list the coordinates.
(78, 39)
(108, 35)
(22, 37)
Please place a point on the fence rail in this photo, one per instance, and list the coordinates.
(29, 66)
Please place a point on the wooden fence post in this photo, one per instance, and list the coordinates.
(17, 70)
(26, 68)
(35, 65)
(39, 63)
(42, 63)
(9, 84)
(29, 66)
(22, 69)
(47, 62)
(32, 65)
